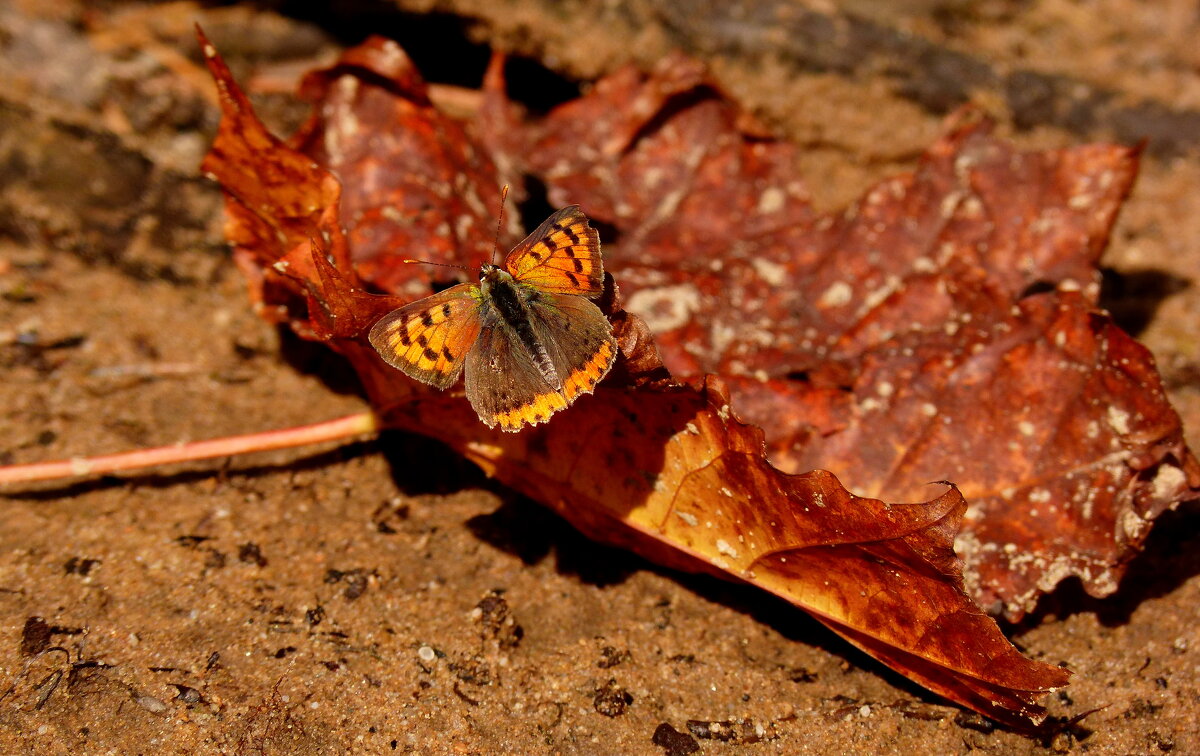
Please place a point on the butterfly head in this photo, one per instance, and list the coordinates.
(492, 277)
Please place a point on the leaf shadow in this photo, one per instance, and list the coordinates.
(315, 359)
(422, 465)
(440, 45)
(532, 533)
(1133, 297)
(527, 530)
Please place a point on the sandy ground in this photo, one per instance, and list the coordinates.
(383, 596)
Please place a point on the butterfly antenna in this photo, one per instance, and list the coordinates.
(495, 241)
(499, 223)
(440, 265)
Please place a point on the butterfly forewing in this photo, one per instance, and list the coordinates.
(578, 339)
(429, 339)
(504, 385)
(562, 256)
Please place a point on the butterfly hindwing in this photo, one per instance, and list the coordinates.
(562, 256)
(578, 339)
(504, 385)
(429, 339)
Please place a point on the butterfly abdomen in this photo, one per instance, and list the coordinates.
(511, 303)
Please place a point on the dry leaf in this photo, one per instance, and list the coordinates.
(945, 326)
(896, 341)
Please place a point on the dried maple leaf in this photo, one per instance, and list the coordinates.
(649, 462)
(945, 326)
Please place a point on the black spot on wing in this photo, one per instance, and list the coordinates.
(427, 318)
(430, 354)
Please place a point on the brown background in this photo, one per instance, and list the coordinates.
(324, 581)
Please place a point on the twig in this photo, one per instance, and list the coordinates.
(333, 430)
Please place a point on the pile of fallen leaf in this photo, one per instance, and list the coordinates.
(944, 328)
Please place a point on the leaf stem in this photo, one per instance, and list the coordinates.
(340, 429)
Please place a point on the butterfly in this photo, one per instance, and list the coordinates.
(527, 335)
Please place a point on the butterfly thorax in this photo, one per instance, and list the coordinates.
(506, 299)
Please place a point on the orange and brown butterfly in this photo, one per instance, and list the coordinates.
(529, 338)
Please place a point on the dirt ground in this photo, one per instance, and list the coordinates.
(383, 596)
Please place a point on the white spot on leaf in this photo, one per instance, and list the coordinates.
(836, 295)
(665, 308)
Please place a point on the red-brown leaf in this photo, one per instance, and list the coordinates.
(892, 344)
(942, 327)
